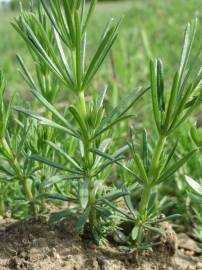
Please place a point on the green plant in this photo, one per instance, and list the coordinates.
(152, 167)
(16, 164)
(169, 114)
(70, 152)
(87, 123)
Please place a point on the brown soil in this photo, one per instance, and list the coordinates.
(41, 246)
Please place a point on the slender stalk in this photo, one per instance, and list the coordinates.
(82, 103)
(91, 188)
(29, 195)
(43, 190)
(92, 201)
(147, 189)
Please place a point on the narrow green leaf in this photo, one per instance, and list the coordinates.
(187, 46)
(154, 92)
(145, 152)
(52, 109)
(160, 86)
(57, 179)
(154, 229)
(60, 197)
(65, 155)
(141, 169)
(44, 121)
(78, 52)
(109, 126)
(170, 171)
(102, 147)
(194, 185)
(172, 100)
(117, 209)
(66, 213)
(171, 217)
(114, 195)
(52, 164)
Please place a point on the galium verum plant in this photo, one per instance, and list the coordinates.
(16, 165)
(169, 114)
(86, 122)
(152, 166)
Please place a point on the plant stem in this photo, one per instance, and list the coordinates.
(147, 189)
(82, 103)
(43, 190)
(29, 195)
(92, 201)
(91, 188)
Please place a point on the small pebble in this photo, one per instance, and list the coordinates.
(63, 264)
(189, 252)
(67, 258)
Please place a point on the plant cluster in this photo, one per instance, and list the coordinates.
(67, 154)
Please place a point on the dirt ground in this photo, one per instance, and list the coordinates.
(41, 246)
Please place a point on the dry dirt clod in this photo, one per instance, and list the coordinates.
(187, 244)
(169, 239)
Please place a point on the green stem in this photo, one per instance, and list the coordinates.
(43, 190)
(147, 189)
(87, 157)
(29, 195)
(82, 103)
(92, 202)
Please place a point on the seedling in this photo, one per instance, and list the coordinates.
(169, 114)
(152, 166)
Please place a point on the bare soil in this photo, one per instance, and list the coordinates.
(31, 245)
